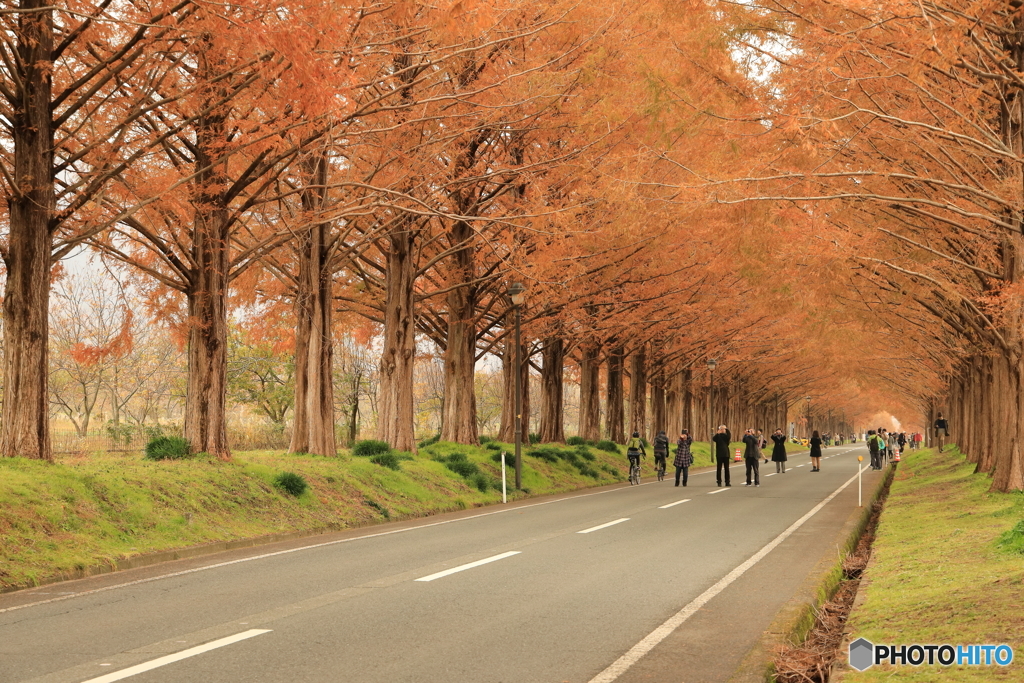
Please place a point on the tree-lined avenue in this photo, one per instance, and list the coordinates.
(549, 603)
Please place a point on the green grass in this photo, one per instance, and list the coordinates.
(86, 511)
(945, 569)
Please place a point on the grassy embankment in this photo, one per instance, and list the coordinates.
(947, 567)
(82, 512)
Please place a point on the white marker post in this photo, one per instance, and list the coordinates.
(860, 468)
(504, 495)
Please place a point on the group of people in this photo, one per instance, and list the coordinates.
(753, 439)
(884, 445)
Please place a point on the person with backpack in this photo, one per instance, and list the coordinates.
(779, 451)
(660, 451)
(720, 443)
(752, 456)
(875, 448)
(684, 458)
(634, 449)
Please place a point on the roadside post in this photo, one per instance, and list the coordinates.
(504, 495)
(860, 468)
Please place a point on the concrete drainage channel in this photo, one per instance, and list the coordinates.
(820, 631)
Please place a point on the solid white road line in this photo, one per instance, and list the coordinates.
(603, 526)
(711, 493)
(678, 502)
(464, 567)
(623, 663)
(771, 475)
(177, 656)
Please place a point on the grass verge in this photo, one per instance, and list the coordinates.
(942, 570)
(80, 513)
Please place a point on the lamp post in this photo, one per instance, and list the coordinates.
(712, 364)
(808, 399)
(517, 293)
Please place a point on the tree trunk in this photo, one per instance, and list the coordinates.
(614, 412)
(551, 400)
(459, 408)
(659, 414)
(638, 392)
(395, 418)
(590, 397)
(313, 425)
(25, 430)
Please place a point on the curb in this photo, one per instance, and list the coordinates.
(796, 617)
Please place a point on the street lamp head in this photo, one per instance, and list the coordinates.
(712, 364)
(807, 398)
(517, 292)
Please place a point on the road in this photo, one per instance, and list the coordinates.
(620, 583)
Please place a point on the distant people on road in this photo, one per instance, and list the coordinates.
(684, 458)
(815, 451)
(660, 450)
(763, 444)
(634, 449)
(721, 441)
(941, 431)
(779, 451)
(752, 456)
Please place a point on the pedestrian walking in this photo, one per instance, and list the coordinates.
(779, 451)
(684, 458)
(721, 441)
(815, 451)
(752, 457)
(660, 453)
(941, 431)
(901, 441)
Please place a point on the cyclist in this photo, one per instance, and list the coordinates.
(634, 449)
(660, 453)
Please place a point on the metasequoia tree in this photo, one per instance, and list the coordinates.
(68, 134)
(898, 129)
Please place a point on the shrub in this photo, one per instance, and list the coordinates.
(607, 446)
(462, 468)
(484, 440)
(389, 460)
(534, 438)
(585, 453)
(430, 441)
(291, 483)
(167, 448)
(1012, 541)
(576, 441)
(546, 453)
(588, 471)
(510, 459)
(378, 507)
(370, 447)
(481, 481)
(493, 446)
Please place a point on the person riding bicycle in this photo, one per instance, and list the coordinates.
(660, 451)
(634, 449)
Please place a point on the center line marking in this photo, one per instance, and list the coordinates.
(176, 657)
(718, 491)
(602, 526)
(678, 502)
(464, 567)
(771, 475)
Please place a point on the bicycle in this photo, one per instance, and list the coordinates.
(634, 473)
(660, 467)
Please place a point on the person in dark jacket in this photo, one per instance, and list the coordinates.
(779, 451)
(815, 451)
(721, 441)
(660, 451)
(684, 458)
(752, 456)
(941, 431)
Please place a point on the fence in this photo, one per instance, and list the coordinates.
(129, 438)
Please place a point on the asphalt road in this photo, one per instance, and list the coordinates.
(611, 584)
